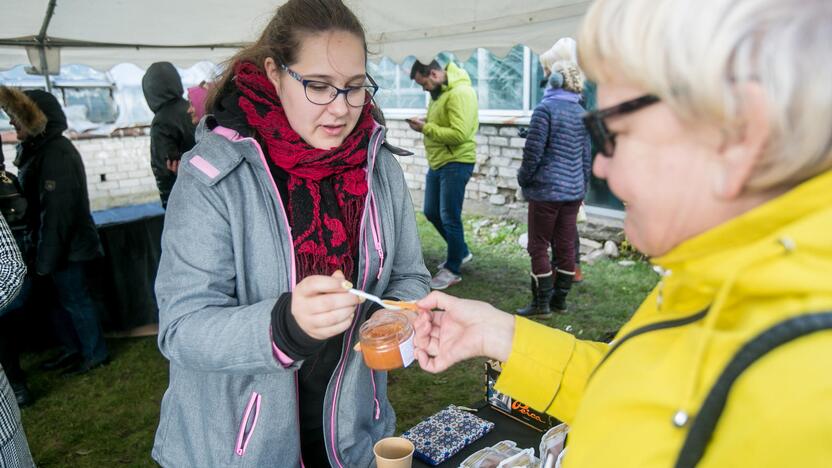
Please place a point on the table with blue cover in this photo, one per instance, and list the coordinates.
(122, 281)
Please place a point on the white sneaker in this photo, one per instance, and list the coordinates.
(465, 260)
(443, 279)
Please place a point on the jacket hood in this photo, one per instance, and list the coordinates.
(457, 76)
(23, 109)
(51, 108)
(197, 96)
(161, 84)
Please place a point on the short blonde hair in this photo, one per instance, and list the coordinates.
(573, 79)
(692, 54)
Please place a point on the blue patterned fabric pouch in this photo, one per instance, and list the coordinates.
(442, 435)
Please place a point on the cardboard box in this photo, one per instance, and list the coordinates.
(510, 407)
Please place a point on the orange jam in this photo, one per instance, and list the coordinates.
(385, 339)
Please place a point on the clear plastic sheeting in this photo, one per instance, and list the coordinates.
(97, 103)
(103, 33)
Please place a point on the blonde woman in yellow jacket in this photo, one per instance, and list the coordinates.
(715, 129)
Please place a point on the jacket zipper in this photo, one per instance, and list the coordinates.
(379, 244)
(377, 404)
(292, 275)
(243, 437)
(297, 415)
(292, 278)
(346, 345)
(649, 328)
(375, 227)
(374, 223)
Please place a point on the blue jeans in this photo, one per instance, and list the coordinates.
(444, 194)
(77, 325)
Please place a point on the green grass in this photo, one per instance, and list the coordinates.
(109, 416)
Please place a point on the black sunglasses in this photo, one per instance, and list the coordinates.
(602, 138)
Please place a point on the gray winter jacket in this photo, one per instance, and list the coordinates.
(226, 258)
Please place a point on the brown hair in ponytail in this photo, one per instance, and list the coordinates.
(283, 36)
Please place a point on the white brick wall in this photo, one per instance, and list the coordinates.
(124, 163)
(493, 187)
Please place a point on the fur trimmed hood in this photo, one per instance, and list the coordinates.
(23, 109)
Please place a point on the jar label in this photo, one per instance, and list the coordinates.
(406, 349)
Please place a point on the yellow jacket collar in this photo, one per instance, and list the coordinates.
(741, 251)
(767, 220)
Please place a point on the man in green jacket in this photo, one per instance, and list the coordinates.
(449, 130)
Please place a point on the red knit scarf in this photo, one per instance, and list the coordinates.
(327, 188)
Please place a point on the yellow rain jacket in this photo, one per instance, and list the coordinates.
(632, 402)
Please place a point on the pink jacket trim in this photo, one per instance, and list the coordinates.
(204, 166)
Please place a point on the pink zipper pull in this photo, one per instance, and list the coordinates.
(375, 396)
(376, 230)
(381, 263)
(244, 437)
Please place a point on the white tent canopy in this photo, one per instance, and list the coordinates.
(102, 33)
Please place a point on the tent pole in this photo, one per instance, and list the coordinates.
(50, 10)
(44, 67)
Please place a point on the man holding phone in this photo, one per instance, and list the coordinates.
(449, 129)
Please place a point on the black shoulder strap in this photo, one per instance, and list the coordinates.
(703, 425)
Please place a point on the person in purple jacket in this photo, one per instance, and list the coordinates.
(554, 176)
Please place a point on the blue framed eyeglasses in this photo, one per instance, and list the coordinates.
(323, 93)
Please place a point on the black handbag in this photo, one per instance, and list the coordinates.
(12, 203)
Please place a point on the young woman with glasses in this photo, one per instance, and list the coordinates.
(290, 197)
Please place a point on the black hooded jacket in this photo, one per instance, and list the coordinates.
(54, 182)
(171, 132)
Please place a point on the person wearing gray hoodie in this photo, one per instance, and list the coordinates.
(171, 132)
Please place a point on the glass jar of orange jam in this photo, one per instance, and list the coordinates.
(387, 341)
